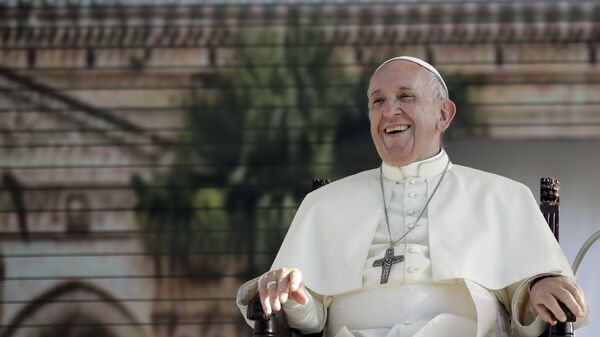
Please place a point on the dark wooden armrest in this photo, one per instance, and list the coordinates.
(274, 325)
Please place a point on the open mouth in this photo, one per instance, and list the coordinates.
(396, 129)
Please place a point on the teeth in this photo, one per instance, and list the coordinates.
(397, 128)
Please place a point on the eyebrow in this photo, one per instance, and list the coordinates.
(374, 92)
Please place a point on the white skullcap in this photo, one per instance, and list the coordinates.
(419, 62)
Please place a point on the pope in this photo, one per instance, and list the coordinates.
(418, 246)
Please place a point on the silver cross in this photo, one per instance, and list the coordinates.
(386, 263)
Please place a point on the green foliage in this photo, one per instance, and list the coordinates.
(261, 133)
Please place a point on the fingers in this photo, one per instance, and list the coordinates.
(297, 289)
(300, 296)
(570, 303)
(548, 292)
(273, 296)
(277, 286)
(569, 293)
(264, 294)
(295, 280)
(284, 289)
(556, 311)
(545, 314)
(577, 294)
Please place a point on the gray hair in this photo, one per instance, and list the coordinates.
(439, 90)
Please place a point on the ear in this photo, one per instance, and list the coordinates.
(447, 112)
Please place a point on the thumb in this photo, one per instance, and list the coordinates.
(300, 295)
(297, 291)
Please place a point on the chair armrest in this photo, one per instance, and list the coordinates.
(274, 325)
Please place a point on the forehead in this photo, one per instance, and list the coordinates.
(397, 74)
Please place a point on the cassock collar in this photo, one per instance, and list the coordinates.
(429, 167)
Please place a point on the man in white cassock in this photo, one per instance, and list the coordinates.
(419, 246)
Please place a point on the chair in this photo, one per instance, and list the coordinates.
(549, 205)
(275, 325)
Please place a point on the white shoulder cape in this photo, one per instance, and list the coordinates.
(482, 227)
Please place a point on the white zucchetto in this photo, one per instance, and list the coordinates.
(418, 61)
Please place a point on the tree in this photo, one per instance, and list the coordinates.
(261, 133)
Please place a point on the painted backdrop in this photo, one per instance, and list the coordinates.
(153, 153)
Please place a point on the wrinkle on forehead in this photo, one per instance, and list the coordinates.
(409, 66)
(412, 72)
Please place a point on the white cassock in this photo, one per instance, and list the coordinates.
(467, 263)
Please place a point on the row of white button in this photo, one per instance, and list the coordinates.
(410, 181)
(412, 269)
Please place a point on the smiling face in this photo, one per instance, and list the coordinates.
(407, 120)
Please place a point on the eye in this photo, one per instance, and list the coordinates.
(406, 97)
(377, 101)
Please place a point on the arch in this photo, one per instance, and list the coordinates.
(73, 319)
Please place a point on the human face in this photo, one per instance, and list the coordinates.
(407, 121)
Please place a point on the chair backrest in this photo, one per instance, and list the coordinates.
(550, 202)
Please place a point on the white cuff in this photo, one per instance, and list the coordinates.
(246, 292)
(524, 320)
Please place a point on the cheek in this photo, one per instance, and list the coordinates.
(374, 133)
(373, 121)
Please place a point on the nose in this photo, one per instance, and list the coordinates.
(392, 107)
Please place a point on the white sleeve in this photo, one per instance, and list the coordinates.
(524, 319)
(246, 292)
(308, 318)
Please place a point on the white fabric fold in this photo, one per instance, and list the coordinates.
(481, 229)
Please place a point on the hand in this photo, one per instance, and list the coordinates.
(546, 293)
(276, 286)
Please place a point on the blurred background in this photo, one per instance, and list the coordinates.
(153, 152)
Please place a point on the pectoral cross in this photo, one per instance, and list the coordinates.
(386, 263)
